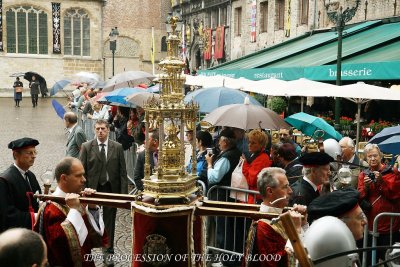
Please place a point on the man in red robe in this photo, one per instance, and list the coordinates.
(72, 230)
(269, 240)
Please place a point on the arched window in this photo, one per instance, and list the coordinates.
(76, 33)
(164, 44)
(26, 30)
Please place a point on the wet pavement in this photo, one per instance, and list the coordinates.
(42, 123)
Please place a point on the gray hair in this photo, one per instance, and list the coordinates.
(370, 147)
(266, 178)
(231, 142)
(306, 172)
(348, 141)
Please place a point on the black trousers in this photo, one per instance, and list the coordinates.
(34, 100)
(109, 215)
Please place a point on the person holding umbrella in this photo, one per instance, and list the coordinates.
(18, 85)
(34, 86)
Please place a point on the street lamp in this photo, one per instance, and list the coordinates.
(113, 44)
(340, 17)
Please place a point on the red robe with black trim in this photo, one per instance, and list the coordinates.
(269, 246)
(62, 240)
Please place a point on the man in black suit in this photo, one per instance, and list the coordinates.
(19, 184)
(139, 167)
(316, 172)
(105, 169)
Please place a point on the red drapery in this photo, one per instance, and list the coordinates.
(219, 42)
(208, 44)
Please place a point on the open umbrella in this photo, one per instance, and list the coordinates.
(309, 124)
(245, 116)
(140, 98)
(87, 77)
(58, 108)
(59, 85)
(390, 145)
(385, 134)
(154, 88)
(127, 79)
(17, 74)
(215, 97)
(28, 76)
(118, 96)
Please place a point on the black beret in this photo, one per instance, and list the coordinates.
(335, 203)
(227, 133)
(23, 142)
(315, 159)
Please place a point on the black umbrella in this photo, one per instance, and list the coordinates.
(28, 76)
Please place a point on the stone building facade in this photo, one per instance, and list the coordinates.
(252, 25)
(58, 39)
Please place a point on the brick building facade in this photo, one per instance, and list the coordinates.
(58, 39)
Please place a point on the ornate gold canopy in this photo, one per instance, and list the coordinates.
(170, 115)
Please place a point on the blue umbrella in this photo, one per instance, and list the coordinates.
(58, 108)
(390, 145)
(385, 134)
(308, 124)
(59, 85)
(215, 97)
(117, 97)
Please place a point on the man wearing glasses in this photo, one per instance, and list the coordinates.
(20, 185)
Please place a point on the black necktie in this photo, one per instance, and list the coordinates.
(27, 181)
(103, 174)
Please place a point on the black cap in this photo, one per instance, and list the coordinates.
(315, 159)
(227, 133)
(336, 203)
(23, 143)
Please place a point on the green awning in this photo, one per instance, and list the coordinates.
(361, 71)
(352, 45)
(287, 74)
(296, 46)
(390, 52)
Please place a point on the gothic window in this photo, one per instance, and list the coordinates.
(164, 44)
(238, 21)
(264, 16)
(26, 30)
(303, 11)
(76, 33)
(279, 14)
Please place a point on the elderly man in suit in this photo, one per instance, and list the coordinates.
(105, 169)
(316, 171)
(76, 135)
(19, 184)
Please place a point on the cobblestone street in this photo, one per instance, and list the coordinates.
(43, 124)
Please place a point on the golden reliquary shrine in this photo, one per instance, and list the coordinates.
(169, 216)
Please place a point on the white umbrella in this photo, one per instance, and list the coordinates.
(87, 77)
(127, 79)
(141, 98)
(361, 93)
(271, 86)
(245, 116)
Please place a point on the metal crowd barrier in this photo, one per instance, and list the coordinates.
(375, 233)
(234, 229)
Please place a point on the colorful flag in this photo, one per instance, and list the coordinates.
(208, 44)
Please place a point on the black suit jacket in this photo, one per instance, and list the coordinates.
(115, 165)
(139, 169)
(18, 214)
(303, 193)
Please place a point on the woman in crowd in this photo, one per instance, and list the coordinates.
(17, 91)
(379, 191)
(258, 160)
(203, 141)
(121, 131)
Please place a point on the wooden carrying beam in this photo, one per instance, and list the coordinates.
(115, 203)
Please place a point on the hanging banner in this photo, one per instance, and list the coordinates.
(56, 28)
(253, 31)
(219, 42)
(208, 44)
(1, 25)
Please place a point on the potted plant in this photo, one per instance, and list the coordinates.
(277, 104)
